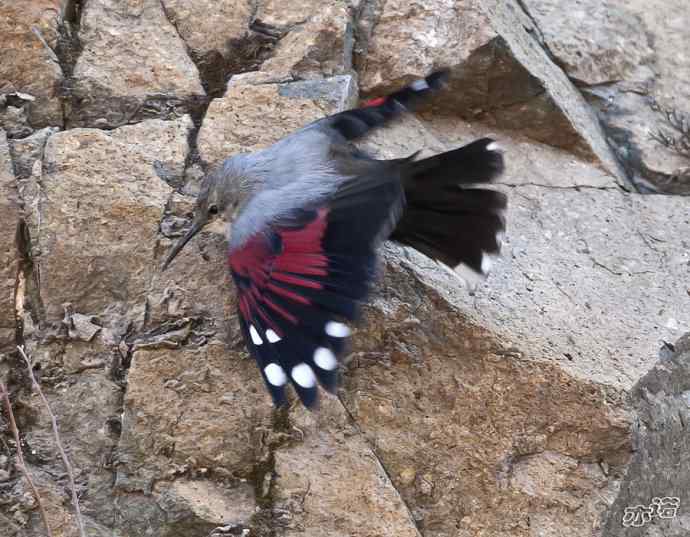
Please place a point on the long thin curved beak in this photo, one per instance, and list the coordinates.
(196, 227)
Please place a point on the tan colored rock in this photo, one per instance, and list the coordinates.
(331, 482)
(233, 123)
(462, 407)
(209, 26)
(215, 504)
(95, 227)
(192, 410)
(9, 259)
(579, 359)
(284, 14)
(30, 67)
(411, 39)
(133, 65)
(499, 74)
(502, 412)
(193, 298)
(320, 47)
(194, 505)
(195, 289)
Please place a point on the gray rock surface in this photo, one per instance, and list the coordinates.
(667, 21)
(586, 265)
(658, 468)
(629, 60)
(9, 259)
(596, 43)
(26, 152)
(573, 126)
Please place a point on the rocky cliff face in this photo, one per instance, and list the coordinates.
(540, 405)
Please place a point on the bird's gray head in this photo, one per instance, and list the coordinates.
(223, 192)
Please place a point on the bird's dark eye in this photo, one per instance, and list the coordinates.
(213, 209)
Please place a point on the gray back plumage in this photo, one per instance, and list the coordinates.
(298, 171)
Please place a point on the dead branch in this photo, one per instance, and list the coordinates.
(58, 443)
(20, 455)
(679, 139)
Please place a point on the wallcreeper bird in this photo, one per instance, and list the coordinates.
(308, 214)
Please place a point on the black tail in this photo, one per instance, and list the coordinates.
(354, 123)
(446, 217)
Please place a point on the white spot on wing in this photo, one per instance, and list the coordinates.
(500, 238)
(256, 338)
(494, 146)
(325, 359)
(487, 262)
(336, 329)
(419, 85)
(303, 375)
(272, 337)
(469, 278)
(275, 374)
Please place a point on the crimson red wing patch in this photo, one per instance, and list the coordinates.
(297, 285)
(301, 279)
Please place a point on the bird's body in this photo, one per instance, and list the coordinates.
(308, 214)
(309, 154)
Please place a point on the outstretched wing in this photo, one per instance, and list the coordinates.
(355, 123)
(304, 277)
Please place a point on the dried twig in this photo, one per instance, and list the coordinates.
(20, 456)
(679, 140)
(50, 51)
(58, 442)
